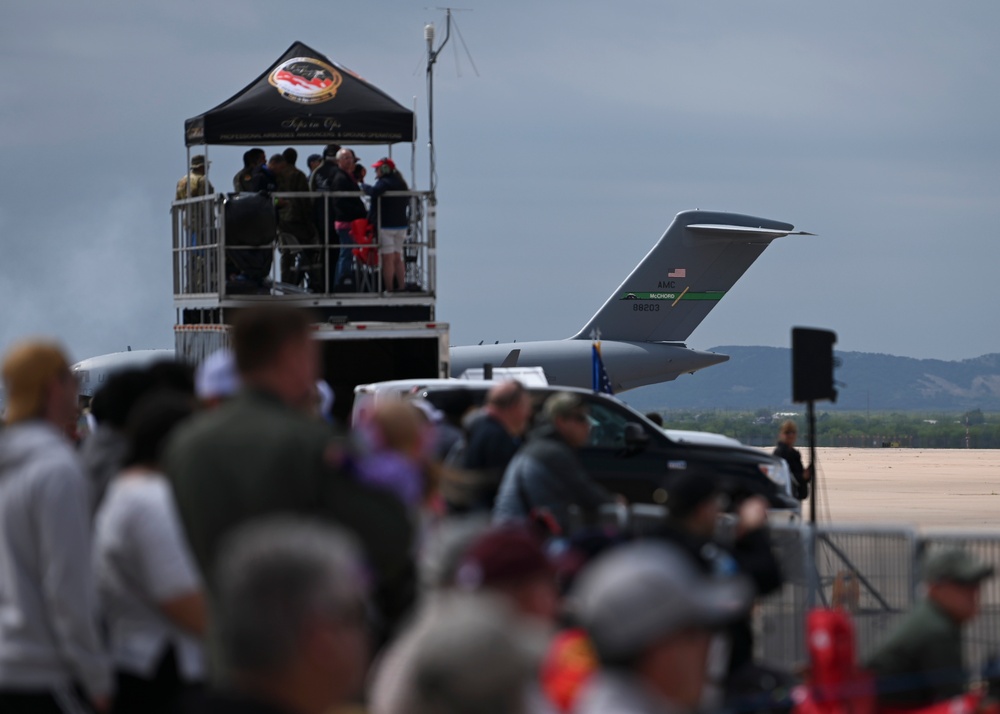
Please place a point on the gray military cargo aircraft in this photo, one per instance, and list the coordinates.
(643, 325)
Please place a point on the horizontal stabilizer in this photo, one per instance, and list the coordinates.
(728, 230)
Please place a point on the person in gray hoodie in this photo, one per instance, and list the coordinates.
(51, 658)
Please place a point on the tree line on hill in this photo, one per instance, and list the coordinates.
(973, 429)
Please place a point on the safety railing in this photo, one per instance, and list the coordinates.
(871, 572)
(874, 574)
(288, 243)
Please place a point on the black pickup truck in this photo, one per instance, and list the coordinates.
(630, 455)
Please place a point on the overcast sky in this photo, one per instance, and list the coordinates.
(590, 124)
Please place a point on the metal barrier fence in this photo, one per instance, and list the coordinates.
(874, 574)
(267, 254)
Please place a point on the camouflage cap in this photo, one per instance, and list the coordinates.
(955, 565)
(198, 160)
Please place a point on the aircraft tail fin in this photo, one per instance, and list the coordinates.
(692, 267)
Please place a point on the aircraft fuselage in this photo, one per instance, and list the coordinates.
(568, 362)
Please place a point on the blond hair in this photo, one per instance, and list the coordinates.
(29, 369)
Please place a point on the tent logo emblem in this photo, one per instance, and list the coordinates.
(306, 80)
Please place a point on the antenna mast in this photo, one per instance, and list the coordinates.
(432, 56)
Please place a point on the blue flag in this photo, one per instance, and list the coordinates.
(601, 381)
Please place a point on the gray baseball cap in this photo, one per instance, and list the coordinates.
(955, 565)
(470, 653)
(638, 593)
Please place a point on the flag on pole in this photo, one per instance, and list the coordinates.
(601, 381)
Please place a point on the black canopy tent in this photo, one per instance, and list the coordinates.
(304, 98)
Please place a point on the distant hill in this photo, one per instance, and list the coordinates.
(758, 377)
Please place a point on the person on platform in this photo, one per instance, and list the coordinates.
(347, 209)
(325, 212)
(389, 215)
(193, 184)
(313, 162)
(921, 663)
(785, 449)
(295, 218)
(254, 176)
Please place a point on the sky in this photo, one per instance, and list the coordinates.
(563, 152)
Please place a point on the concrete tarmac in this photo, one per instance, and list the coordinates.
(930, 489)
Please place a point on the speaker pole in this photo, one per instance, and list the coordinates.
(814, 492)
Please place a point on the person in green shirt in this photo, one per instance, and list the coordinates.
(921, 663)
(261, 453)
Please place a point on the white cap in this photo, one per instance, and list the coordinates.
(216, 377)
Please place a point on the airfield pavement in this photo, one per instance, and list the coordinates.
(930, 489)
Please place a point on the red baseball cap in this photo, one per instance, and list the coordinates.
(502, 556)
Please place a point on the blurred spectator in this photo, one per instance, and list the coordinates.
(150, 592)
(395, 442)
(464, 653)
(453, 407)
(103, 451)
(50, 654)
(509, 561)
(546, 479)
(656, 418)
(443, 551)
(651, 617)
(920, 662)
(262, 452)
(493, 439)
(570, 660)
(785, 449)
(724, 546)
(291, 605)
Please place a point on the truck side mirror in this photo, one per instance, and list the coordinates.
(636, 437)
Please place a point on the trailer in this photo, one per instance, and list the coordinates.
(351, 353)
